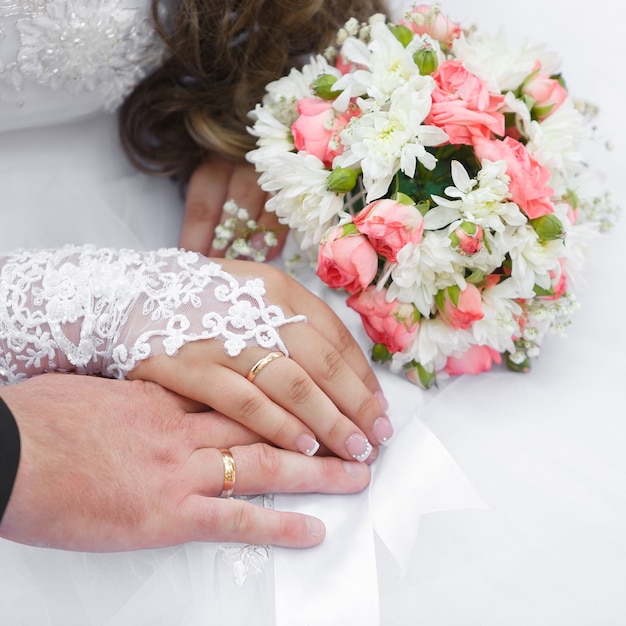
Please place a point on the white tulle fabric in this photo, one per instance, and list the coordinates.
(101, 311)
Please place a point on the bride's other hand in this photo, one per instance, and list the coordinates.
(214, 182)
(324, 393)
(137, 470)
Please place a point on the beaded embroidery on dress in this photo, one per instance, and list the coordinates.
(79, 46)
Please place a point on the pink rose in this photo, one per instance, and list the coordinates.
(318, 127)
(475, 360)
(460, 308)
(547, 92)
(394, 324)
(529, 179)
(467, 238)
(390, 225)
(346, 259)
(463, 106)
(427, 20)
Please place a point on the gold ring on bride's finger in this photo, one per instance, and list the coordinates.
(229, 473)
(261, 363)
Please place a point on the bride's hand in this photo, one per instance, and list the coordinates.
(213, 183)
(324, 392)
(110, 465)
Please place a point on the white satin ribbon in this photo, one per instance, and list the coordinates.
(336, 582)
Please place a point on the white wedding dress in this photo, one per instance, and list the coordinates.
(501, 499)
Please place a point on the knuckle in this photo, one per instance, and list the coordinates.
(300, 389)
(199, 211)
(333, 364)
(368, 406)
(268, 461)
(241, 521)
(336, 429)
(280, 432)
(344, 340)
(249, 406)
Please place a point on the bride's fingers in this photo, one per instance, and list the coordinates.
(321, 317)
(198, 374)
(286, 383)
(294, 298)
(328, 366)
(283, 404)
(269, 222)
(206, 194)
(244, 190)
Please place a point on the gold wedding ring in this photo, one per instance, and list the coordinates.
(229, 473)
(261, 363)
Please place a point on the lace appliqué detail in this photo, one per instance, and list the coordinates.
(102, 311)
(248, 558)
(81, 46)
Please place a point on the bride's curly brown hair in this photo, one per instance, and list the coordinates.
(222, 53)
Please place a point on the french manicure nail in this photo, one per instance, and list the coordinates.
(307, 445)
(358, 447)
(383, 430)
(380, 396)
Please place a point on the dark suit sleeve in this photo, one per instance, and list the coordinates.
(9, 454)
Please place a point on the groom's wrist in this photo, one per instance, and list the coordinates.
(9, 454)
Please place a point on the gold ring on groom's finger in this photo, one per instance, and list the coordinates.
(261, 363)
(229, 473)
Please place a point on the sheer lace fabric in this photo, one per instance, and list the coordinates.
(101, 311)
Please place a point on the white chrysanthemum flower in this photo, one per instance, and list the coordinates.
(382, 142)
(282, 95)
(273, 138)
(481, 200)
(389, 65)
(423, 269)
(555, 143)
(532, 260)
(301, 200)
(434, 343)
(501, 313)
(504, 65)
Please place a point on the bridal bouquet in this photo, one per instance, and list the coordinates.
(435, 173)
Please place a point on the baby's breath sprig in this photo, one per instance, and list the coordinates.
(235, 235)
(602, 210)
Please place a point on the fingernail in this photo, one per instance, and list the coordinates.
(380, 396)
(383, 430)
(257, 241)
(315, 527)
(307, 445)
(358, 447)
(356, 470)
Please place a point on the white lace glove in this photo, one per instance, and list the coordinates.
(101, 311)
